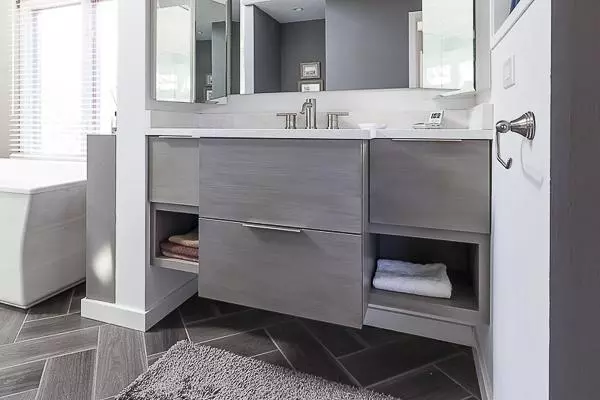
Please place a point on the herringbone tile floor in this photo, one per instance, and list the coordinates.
(50, 353)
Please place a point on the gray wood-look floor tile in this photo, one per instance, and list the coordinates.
(165, 334)
(53, 307)
(55, 325)
(228, 308)
(52, 346)
(198, 309)
(78, 295)
(28, 395)
(428, 384)
(20, 378)
(378, 363)
(245, 344)
(11, 320)
(232, 324)
(121, 358)
(274, 357)
(305, 353)
(68, 377)
(462, 369)
(336, 338)
(376, 337)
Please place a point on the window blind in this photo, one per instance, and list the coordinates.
(64, 56)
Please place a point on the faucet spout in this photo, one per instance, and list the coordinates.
(309, 110)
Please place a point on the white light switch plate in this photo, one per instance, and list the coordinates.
(508, 73)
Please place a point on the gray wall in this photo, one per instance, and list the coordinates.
(219, 57)
(300, 42)
(235, 58)
(574, 200)
(372, 54)
(267, 53)
(203, 66)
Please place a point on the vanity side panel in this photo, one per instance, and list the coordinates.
(101, 217)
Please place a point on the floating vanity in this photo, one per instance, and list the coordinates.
(294, 221)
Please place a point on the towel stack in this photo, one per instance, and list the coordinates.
(421, 279)
(182, 247)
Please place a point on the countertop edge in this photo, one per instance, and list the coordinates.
(326, 134)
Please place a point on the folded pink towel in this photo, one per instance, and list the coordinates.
(178, 256)
(190, 239)
(183, 251)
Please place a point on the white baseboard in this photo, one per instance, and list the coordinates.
(138, 320)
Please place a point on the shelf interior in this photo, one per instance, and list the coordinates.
(461, 267)
(165, 224)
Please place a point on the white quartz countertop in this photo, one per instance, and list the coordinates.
(356, 134)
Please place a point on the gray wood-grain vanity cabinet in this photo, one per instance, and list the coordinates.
(315, 184)
(308, 273)
(283, 226)
(438, 185)
(295, 225)
(173, 170)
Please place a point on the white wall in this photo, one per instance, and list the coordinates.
(138, 286)
(521, 215)
(5, 32)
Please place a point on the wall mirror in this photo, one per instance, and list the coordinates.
(191, 45)
(207, 49)
(315, 45)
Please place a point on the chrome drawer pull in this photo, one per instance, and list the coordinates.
(426, 140)
(272, 228)
(176, 137)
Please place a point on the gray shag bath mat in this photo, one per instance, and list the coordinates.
(193, 372)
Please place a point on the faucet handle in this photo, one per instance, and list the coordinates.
(290, 120)
(333, 119)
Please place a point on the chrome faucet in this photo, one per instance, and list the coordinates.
(309, 110)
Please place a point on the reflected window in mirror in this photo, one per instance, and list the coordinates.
(355, 44)
(191, 50)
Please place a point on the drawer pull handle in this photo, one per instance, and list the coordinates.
(426, 140)
(176, 137)
(272, 228)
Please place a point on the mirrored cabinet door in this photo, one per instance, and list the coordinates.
(174, 50)
(317, 45)
(191, 50)
(208, 49)
(448, 44)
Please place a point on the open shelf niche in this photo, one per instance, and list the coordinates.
(463, 265)
(168, 220)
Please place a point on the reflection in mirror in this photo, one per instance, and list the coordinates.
(191, 50)
(174, 56)
(314, 45)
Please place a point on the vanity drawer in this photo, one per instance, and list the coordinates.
(173, 170)
(440, 185)
(306, 273)
(316, 184)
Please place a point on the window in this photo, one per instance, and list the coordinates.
(64, 75)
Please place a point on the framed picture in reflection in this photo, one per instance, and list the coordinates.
(310, 70)
(315, 85)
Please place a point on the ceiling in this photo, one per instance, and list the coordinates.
(283, 10)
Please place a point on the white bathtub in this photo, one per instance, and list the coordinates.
(42, 229)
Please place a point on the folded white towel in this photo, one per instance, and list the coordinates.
(420, 279)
